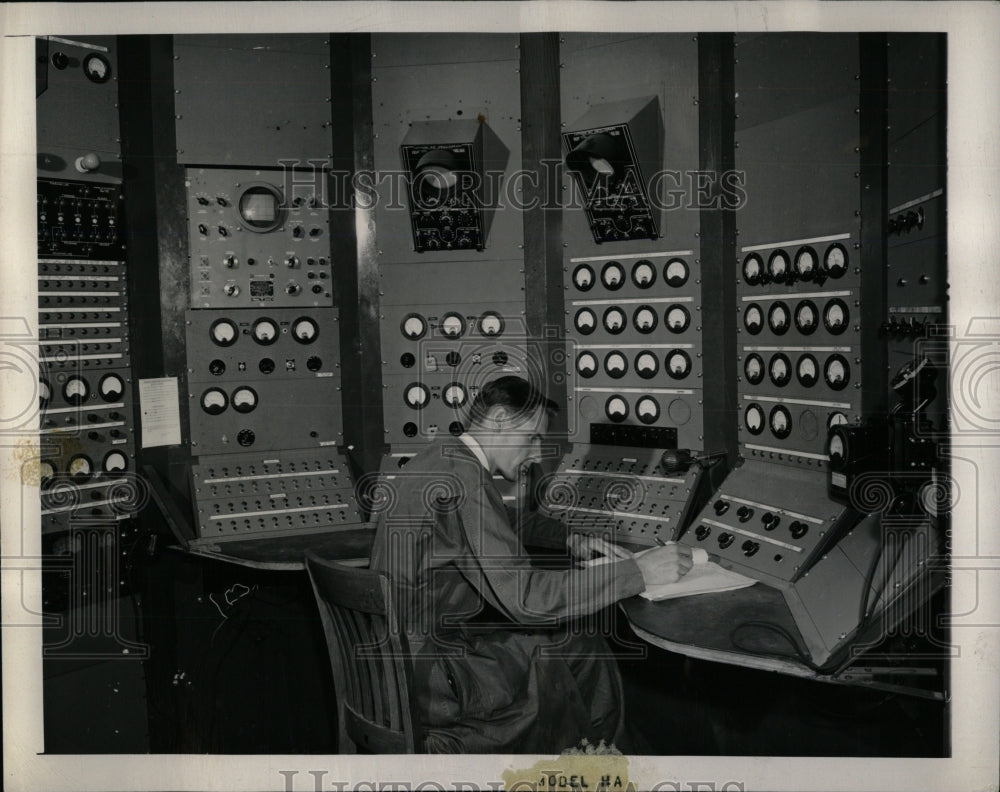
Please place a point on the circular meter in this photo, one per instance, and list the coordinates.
(778, 318)
(753, 269)
(777, 265)
(260, 208)
(214, 401)
(806, 317)
(76, 390)
(780, 422)
(643, 274)
(807, 371)
(413, 326)
(613, 276)
(616, 408)
(644, 319)
(837, 372)
(585, 321)
(835, 449)
(586, 364)
(753, 319)
(583, 278)
(647, 410)
(111, 387)
(616, 365)
(223, 332)
(416, 396)
(305, 330)
(753, 368)
(836, 316)
(454, 395)
(675, 272)
(114, 462)
(491, 324)
(835, 261)
(46, 471)
(264, 331)
(44, 393)
(452, 325)
(244, 399)
(780, 370)
(753, 419)
(836, 419)
(646, 364)
(678, 364)
(676, 318)
(614, 320)
(80, 466)
(805, 263)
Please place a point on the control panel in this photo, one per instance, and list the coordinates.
(597, 486)
(258, 238)
(285, 493)
(78, 219)
(768, 526)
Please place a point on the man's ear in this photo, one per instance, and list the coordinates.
(499, 416)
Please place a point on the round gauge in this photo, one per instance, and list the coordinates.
(410, 429)
(836, 316)
(646, 364)
(837, 372)
(260, 208)
(214, 401)
(643, 274)
(217, 367)
(753, 269)
(835, 260)
(753, 419)
(806, 317)
(111, 387)
(836, 419)
(80, 466)
(452, 325)
(413, 326)
(491, 324)
(778, 318)
(76, 390)
(244, 399)
(585, 321)
(807, 371)
(46, 472)
(97, 68)
(115, 462)
(454, 395)
(805, 263)
(264, 331)
(246, 437)
(616, 365)
(616, 408)
(455, 428)
(416, 395)
(675, 272)
(753, 368)
(586, 364)
(613, 276)
(780, 421)
(614, 320)
(780, 370)
(223, 332)
(644, 319)
(678, 364)
(677, 318)
(305, 330)
(753, 319)
(777, 265)
(407, 360)
(583, 278)
(647, 410)
(44, 393)
(835, 449)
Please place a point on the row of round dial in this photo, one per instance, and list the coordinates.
(805, 265)
(417, 395)
(676, 363)
(265, 331)
(644, 274)
(778, 420)
(836, 370)
(806, 317)
(451, 325)
(76, 390)
(215, 401)
(81, 466)
(645, 319)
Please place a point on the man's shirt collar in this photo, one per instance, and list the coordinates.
(476, 449)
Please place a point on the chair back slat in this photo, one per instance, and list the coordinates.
(369, 658)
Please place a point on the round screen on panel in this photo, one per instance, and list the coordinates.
(223, 332)
(585, 321)
(777, 265)
(837, 372)
(836, 419)
(264, 331)
(753, 319)
(260, 208)
(305, 330)
(835, 260)
(643, 274)
(583, 278)
(111, 387)
(753, 419)
(678, 364)
(806, 317)
(114, 462)
(413, 326)
(244, 399)
(644, 319)
(836, 316)
(781, 422)
(214, 401)
(491, 324)
(805, 263)
(616, 365)
(675, 272)
(646, 364)
(676, 318)
(452, 325)
(807, 371)
(778, 318)
(780, 370)
(753, 269)
(753, 368)
(454, 395)
(616, 408)
(647, 410)
(586, 364)
(76, 390)
(614, 320)
(613, 276)
(416, 395)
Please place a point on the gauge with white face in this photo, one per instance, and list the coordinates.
(777, 265)
(76, 390)
(264, 331)
(806, 317)
(454, 395)
(44, 393)
(778, 318)
(416, 396)
(678, 364)
(613, 276)
(781, 422)
(753, 419)
(753, 368)
(675, 272)
(614, 320)
(807, 371)
(305, 330)
(753, 319)
(835, 261)
(46, 471)
(491, 324)
(805, 262)
(585, 321)
(836, 419)
(223, 332)
(115, 462)
(836, 316)
(836, 449)
(646, 364)
(644, 319)
(586, 364)
(214, 401)
(753, 269)
(616, 408)
(413, 326)
(244, 399)
(676, 318)
(583, 277)
(779, 370)
(452, 325)
(837, 372)
(616, 365)
(647, 410)
(643, 274)
(111, 387)
(80, 466)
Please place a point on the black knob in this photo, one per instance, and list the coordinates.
(798, 529)
(750, 547)
(702, 532)
(770, 521)
(721, 507)
(726, 539)
(744, 513)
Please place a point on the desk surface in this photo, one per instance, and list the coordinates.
(286, 552)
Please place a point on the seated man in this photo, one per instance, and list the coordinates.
(497, 666)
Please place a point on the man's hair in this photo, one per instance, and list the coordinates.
(519, 396)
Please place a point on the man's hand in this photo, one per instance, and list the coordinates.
(583, 546)
(666, 564)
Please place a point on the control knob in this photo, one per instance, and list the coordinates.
(744, 513)
(721, 507)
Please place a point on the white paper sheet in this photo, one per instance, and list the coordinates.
(160, 412)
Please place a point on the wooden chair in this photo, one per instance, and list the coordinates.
(369, 657)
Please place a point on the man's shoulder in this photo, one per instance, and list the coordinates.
(445, 454)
